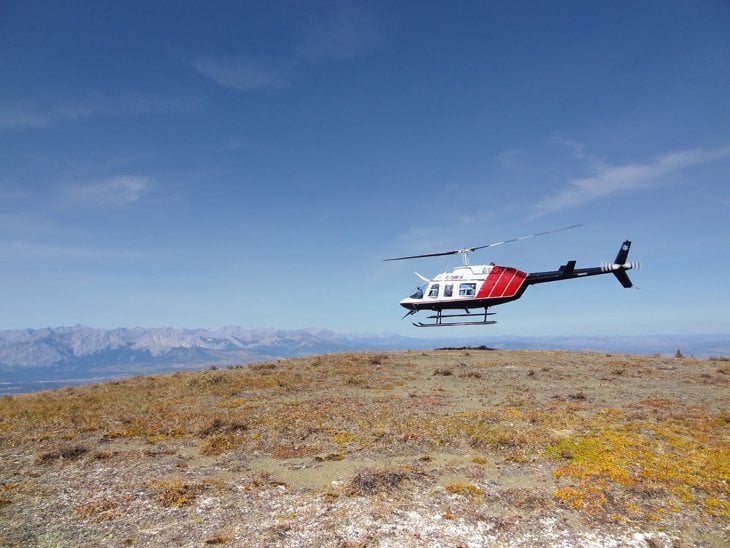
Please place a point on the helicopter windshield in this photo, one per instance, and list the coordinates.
(418, 294)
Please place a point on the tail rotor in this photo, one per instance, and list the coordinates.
(620, 265)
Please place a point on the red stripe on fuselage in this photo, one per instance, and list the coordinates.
(488, 284)
(501, 282)
(515, 284)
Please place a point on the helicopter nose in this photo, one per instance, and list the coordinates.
(409, 303)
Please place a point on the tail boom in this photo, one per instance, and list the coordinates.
(568, 271)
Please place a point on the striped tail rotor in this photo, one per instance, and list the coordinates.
(620, 265)
(612, 267)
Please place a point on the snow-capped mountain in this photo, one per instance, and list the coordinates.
(84, 350)
(83, 353)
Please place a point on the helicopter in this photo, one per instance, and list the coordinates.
(470, 287)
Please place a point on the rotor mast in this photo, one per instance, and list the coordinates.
(464, 255)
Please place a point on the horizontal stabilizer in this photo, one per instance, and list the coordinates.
(623, 278)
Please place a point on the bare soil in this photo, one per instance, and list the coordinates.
(461, 447)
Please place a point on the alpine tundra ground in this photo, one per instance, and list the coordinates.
(464, 447)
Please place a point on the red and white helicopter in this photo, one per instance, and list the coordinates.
(481, 286)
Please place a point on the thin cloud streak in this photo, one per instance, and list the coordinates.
(344, 31)
(340, 32)
(245, 73)
(30, 115)
(611, 180)
(25, 250)
(115, 192)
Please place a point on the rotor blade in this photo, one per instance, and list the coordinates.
(470, 249)
(494, 244)
(426, 255)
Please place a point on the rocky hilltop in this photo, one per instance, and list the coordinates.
(438, 448)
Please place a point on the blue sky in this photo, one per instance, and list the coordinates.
(201, 164)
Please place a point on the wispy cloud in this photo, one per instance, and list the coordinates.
(336, 31)
(510, 159)
(115, 192)
(343, 30)
(610, 180)
(146, 103)
(246, 73)
(33, 115)
(24, 115)
(24, 224)
(577, 149)
(25, 250)
(38, 236)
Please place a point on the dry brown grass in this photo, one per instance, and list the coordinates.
(485, 437)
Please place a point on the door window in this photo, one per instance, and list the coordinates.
(467, 289)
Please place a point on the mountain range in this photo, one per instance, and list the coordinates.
(80, 350)
(84, 353)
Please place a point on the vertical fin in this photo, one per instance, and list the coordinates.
(623, 253)
(621, 275)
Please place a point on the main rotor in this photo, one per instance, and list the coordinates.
(464, 252)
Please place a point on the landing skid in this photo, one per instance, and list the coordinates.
(421, 324)
(440, 323)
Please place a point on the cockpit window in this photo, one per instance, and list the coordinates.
(448, 290)
(434, 291)
(467, 289)
(417, 294)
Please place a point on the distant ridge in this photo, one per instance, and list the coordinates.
(81, 352)
(86, 351)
